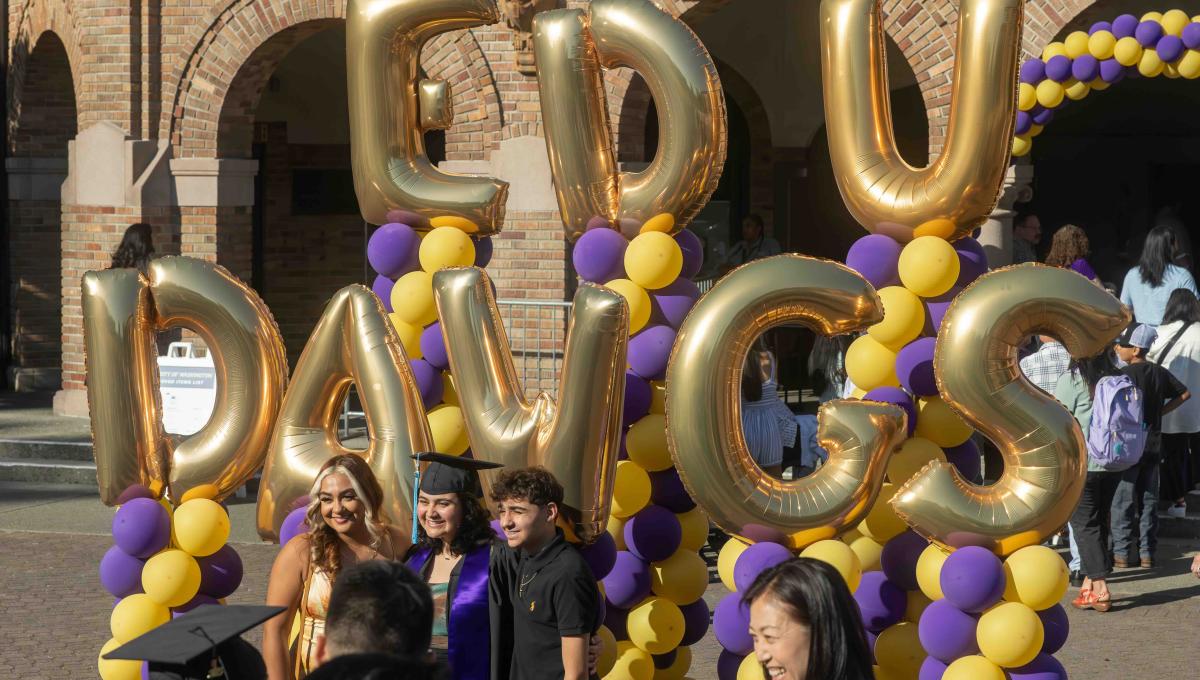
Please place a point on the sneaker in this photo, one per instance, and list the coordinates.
(1121, 562)
(1177, 510)
(1076, 579)
(1147, 563)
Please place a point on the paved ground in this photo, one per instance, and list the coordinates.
(55, 614)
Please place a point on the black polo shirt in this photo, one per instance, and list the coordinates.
(544, 597)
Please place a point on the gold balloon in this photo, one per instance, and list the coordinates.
(353, 342)
(391, 108)
(571, 49)
(704, 420)
(976, 366)
(576, 439)
(122, 313)
(883, 192)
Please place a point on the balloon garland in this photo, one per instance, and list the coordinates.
(1160, 43)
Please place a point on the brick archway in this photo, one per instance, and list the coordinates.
(39, 19)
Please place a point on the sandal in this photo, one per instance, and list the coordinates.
(1084, 601)
(1089, 600)
(1102, 603)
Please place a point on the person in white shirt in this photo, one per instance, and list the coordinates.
(1177, 349)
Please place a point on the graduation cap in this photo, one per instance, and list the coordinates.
(447, 474)
(201, 644)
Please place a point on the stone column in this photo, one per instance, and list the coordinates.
(996, 234)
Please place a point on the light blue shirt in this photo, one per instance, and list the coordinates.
(1149, 303)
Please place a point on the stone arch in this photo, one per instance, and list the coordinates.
(1044, 19)
(39, 20)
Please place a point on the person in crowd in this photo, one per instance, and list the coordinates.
(827, 367)
(1178, 350)
(1137, 492)
(1148, 285)
(1045, 366)
(754, 245)
(805, 624)
(136, 249)
(1196, 566)
(347, 527)
(1027, 234)
(767, 424)
(546, 603)
(1069, 249)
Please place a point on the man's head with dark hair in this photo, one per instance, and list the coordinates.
(377, 667)
(752, 227)
(1027, 226)
(528, 502)
(377, 607)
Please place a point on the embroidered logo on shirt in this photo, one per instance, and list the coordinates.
(532, 605)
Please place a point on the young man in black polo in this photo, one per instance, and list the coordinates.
(545, 602)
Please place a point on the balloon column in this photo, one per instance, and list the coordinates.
(164, 562)
(1160, 43)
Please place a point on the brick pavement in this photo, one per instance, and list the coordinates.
(55, 614)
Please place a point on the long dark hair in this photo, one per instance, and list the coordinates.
(1182, 306)
(136, 249)
(818, 597)
(1092, 369)
(826, 362)
(1157, 252)
(474, 529)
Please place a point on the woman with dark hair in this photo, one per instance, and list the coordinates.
(1069, 250)
(346, 527)
(767, 424)
(136, 249)
(827, 366)
(805, 624)
(1177, 349)
(1149, 284)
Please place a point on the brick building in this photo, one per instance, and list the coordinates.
(223, 124)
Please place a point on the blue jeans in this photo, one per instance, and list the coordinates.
(1135, 509)
(1076, 562)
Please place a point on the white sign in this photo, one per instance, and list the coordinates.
(188, 383)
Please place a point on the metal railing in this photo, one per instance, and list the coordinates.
(537, 333)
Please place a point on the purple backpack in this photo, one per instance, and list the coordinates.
(1116, 436)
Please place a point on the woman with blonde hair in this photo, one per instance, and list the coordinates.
(1069, 250)
(346, 527)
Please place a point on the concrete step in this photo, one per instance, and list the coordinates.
(48, 470)
(1180, 527)
(45, 449)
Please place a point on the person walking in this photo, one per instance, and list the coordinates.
(1148, 286)
(1178, 350)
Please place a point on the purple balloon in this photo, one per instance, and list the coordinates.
(1111, 71)
(972, 579)
(947, 632)
(141, 527)
(758, 533)
(914, 367)
(965, 457)
(1043, 117)
(1148, 33)
(899, 559)
(429, 382)
(876, 257)
(1043, 667)
(615, 619)
(653, 534)
(880, 602)
(496, 527)
(597, 222)
(121, 573)
(731, 623)
(196, 601)
(931, 669)
(1170, 48)
(673, 302)
(417, 220)
(1085, 68)
(728, 664)
(392, 250)
(650, 350)
(1058, 68)
(1124, 26)
(756, 559)
(294, 524)
(134, 491)
(628, 583)
(1033, 71)
(693, 253)
(1024, 122)
(897, 396)
(695, 622)
(483, 251)
(220, 572)
(638, 395)
(382, 287)
(600, 555)
(1100, 26)
(972, 260)
(1191, 36)
(664, 661)
(668, 491)
(1056, 627)
(599, 255)
(433, 346)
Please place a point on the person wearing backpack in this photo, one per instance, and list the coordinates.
(1137, 492)
(1178, 350)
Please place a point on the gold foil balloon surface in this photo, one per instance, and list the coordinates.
(977, 370)
(577, 438)
(957, 192)
(391, 108)
(704, 420)
(572, 47)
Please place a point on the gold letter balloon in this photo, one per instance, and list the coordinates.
(977, 371)
(122, 312)
(572, 47)
(954, 194)
(391, 109)
(704, 407)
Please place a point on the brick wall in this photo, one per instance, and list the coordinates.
(36, 285)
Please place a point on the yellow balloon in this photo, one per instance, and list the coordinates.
(1101, 44)
(646, 443)
(208, 491)
(201, 526)
(695, 529)
(1098, 85)
(869, 551)
(1077, 89)
(656, 625)
(1174, 21)
(412, 299)
(410, 336)
(678, 668)
(663, 222)
(1009, 634)
(631, 664)
(882, 523)
(871, 364)
(1035, 129)
(638, 300)
(653, 260)
(903, 318)
(840, 557)
(915, 605)
(1152, 16)
(1054, 49)
(449, 430)
(1076, 44)
(171, 578)
(858, 393)
(929, 571)
(449, 391)
(1050, 94)
(631, 490)
(939, 423)
(608, 651)
(1150, 65)
(849, 537)
(1127, 51)
(446, 247)
(973, 668)
(750, 668)
(453, 221)
(681, 578)
(898, 649)
(928, 266)
(726, 558)
(117, 669)
(913, 455)
(1022, 145)
(1189, 65)
(1037, 577)
(1171, 71)
(1026, 97)
(658, 396)
(136, 615)
(939, 227)
(616, 529)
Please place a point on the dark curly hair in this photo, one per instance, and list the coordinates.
(1070, 243)
(535, 485)
(475, 528)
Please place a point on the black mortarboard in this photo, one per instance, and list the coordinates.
(451, 474)
(202, 643)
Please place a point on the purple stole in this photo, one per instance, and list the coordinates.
(467, 619)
